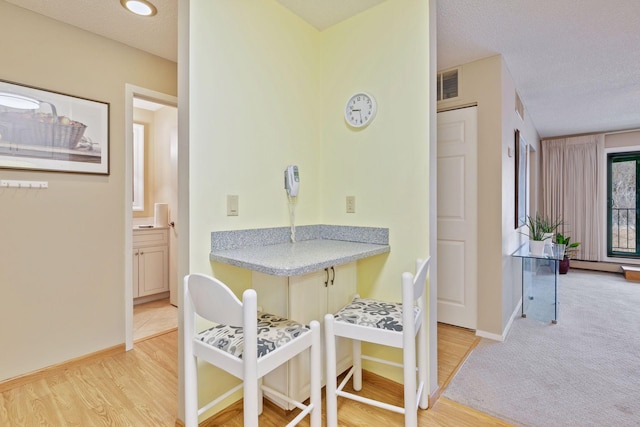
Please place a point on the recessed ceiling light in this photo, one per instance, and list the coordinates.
(139, 7)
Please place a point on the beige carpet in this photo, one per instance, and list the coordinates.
(584, 371)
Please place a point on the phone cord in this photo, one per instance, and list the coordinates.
(292, 216)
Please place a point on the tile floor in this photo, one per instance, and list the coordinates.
(153, 318)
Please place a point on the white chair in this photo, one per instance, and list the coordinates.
(391, 324)
(246, 344)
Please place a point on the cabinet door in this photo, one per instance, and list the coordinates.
(307, 302)
(305, 298)
(342, 286)
(339, 293)
(153, 276)
(308, 297)
(311, 297)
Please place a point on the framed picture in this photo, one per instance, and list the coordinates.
(42, 130)
(521, 180)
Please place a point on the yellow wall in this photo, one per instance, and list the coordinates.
(275, 95)
(254, 108)
(62, 249)
(386, 165)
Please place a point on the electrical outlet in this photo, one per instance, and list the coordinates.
(232, 205)
(351, 204)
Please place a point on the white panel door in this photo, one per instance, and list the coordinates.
(457, 217)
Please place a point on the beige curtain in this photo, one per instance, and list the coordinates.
(570, 190)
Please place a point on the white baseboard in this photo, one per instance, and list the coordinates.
(501, 338)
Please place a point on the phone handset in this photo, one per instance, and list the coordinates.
(292, 180)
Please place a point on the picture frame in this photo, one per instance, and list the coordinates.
(521, 174)
(42, 130)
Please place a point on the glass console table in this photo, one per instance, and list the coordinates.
(540, 280)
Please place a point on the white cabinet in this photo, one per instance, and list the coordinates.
(305, 298)
(150, 261)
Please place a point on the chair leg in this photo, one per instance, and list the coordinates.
(190, 391)
(357, 364)
(315, 366)
(331, 380)
(260, 396)
(423, 363)
(250, 402)
(409, 368)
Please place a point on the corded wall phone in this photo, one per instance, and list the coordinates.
(292, 180)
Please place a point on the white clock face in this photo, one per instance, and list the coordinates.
(360, 110)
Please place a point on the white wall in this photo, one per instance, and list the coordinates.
(62, 253)
(512, 238)
(488, 83)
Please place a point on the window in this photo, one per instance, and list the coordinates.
(623, 188)
(447, 82)
(138, 167)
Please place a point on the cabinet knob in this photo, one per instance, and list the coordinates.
(333, 277)
(326, 279)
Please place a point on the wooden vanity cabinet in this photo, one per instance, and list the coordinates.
(305, 298)
(150, 261)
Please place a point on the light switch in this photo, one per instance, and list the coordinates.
(351, 204)
(232, 205)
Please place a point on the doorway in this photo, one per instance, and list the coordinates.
(157, 113)
(457, 217)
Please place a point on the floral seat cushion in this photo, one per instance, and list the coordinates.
(273, 332)
(373, 314)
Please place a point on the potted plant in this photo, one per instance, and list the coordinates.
(540, 229)
(569, 252)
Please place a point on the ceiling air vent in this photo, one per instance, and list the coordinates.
(448, 84)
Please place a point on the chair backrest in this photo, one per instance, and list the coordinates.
(213, 300)
(413, 286)
(420, 278)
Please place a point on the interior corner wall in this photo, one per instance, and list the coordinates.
(275, 96)
(385, 165)
(254, 105)
(512, 237)
(62, 253)
(488, 83)
(480, 83)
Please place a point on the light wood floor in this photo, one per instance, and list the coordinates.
(139, 388)
(153, 318)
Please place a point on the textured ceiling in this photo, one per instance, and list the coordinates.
(575, 63)
(157, 35)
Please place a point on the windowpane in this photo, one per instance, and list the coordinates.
(623, 204)
(138, 167)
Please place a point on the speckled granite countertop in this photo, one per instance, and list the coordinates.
(270, 251)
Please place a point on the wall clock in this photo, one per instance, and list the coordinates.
(360, 110)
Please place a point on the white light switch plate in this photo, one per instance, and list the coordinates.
(351, 204)
(232, 205)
